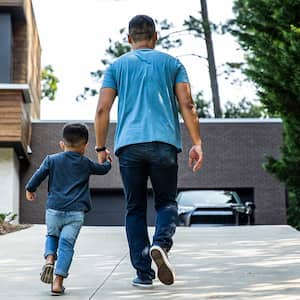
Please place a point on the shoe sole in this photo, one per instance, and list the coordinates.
(47, 274)
(54, 293)
(164, 270)
(143, 286)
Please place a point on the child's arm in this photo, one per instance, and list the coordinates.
(36, 179)
(100, 169)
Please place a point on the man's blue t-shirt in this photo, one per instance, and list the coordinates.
(147, 110)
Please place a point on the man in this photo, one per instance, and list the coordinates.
(147, 140)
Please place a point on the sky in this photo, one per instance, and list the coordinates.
(74, 35)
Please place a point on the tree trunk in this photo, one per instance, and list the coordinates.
(211, 61)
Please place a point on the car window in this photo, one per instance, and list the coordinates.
(190, 198)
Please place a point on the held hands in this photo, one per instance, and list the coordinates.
(195, 157)
(104, 156)
(30, 196)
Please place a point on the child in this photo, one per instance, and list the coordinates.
(68, 200)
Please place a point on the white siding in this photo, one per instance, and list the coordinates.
(9, 182)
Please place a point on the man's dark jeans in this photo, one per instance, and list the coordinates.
(138, 162)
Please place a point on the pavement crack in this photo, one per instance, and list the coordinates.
(108, 276)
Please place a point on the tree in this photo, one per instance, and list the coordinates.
(269, 32)
(169, 38)
(203, 107)
(49, 83)
(211, 60)
(244, 109)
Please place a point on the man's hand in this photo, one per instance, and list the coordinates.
(191, 121)
(104, 156)
(196, 157)
(30, 196)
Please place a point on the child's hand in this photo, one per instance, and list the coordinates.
(108, 158)
(104, 156)
(30, 196)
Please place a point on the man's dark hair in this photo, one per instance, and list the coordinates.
(141, 28)
(75, 134)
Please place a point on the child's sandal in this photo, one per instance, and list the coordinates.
(57, 293)
(47, 273)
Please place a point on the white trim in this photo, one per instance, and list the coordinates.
(61, 121)
(202, 121)
(24, 87)
(14, 86)
(10, 181)
(240, 120)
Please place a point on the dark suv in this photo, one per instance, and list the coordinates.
(213, 207)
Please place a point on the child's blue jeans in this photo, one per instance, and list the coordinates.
(63, 228)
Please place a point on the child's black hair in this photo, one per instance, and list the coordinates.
(75, 134)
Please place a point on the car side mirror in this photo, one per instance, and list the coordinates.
(250, 204)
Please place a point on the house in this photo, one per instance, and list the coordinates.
(234, 150)
(20, 94)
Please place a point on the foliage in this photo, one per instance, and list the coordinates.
(2, 217)
(49, 83)
(168, 39)
(269, 31)
(7, 217)
(203, 107)
(244, 109)
(293, 210)
(7, 225)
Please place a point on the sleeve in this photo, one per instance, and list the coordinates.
(109, 80)
(181, 73)
(41, 173)
(99, 169)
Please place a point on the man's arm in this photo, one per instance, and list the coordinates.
(105, 102)
(190, 117)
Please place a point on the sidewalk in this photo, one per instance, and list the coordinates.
(256, 262)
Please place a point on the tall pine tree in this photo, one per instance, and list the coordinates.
(269, 31)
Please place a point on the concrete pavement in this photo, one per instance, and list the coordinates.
(247, 262)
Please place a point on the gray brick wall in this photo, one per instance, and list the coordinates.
(234, 153)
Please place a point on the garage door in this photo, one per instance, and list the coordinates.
(109, 209)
